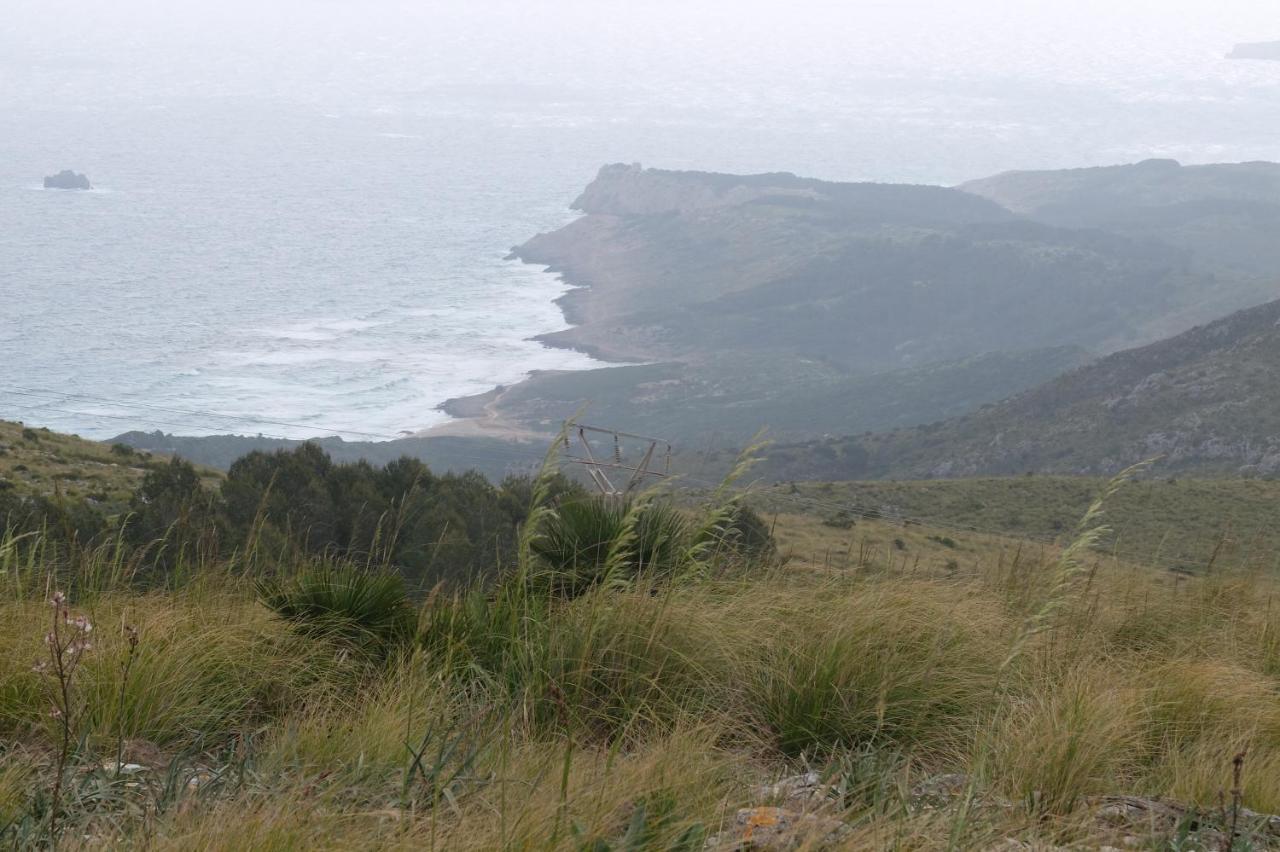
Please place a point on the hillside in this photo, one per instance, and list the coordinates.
(819, 308)
(868, 276)
(1176, 523)
(38, 462)
(1225, 216)
(871, 686)
(731, 396)
(1204, 400)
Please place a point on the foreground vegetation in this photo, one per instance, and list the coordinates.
(634, 688)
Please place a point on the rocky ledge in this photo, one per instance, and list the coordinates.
(67, 179)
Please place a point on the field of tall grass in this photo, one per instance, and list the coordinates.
(647, 689)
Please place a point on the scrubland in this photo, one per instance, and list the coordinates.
(682, 695)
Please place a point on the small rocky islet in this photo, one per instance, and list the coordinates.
(67, 179)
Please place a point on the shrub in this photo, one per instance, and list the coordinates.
(749, 534)
(370, 612)
(841, 520)
(171, 512)
(587, 541)
(402, 516)
(900, 665)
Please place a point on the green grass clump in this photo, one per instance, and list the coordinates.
(588, 541)
(903, 663)
(365, 610)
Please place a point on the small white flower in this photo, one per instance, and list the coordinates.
(58, 599)
(40, 667)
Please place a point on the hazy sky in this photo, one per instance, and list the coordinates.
(49, 48)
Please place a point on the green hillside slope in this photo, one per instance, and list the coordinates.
(1204, 401)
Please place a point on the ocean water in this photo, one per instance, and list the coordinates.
(301, 209)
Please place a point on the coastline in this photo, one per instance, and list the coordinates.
(480, 415)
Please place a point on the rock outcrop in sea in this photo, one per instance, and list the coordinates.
(67, 179)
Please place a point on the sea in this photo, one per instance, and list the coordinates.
(302, 209)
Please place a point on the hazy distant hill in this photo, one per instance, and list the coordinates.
(1207, 400)
(869, 276)
(1225, 216)
(826, 308)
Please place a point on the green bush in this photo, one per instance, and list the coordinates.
(172, 515)
(587, 541)
(368, 611)
(750, 535)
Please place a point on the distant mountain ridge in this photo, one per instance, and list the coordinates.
(1207, 401)
(1224, 216)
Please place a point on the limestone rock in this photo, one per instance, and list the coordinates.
(772, 829)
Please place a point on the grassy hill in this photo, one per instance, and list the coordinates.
(1205, 400)
(881, 689)
(51, 464)
(1224, 215)
(1183, 524)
